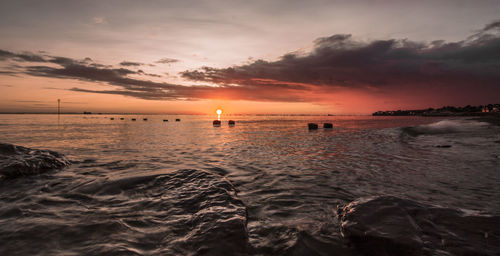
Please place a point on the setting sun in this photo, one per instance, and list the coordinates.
(219, 111)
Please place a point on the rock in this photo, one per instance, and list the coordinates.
(328, 125)
(312, 126)
(393, 226)
(177, 120)
(183, 212)
(231, 122)
(443, 146)
(198, 210)
(16, 161)
(216, 122)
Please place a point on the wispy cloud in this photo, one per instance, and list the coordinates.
(131, 63)
(99, 20)
(167, 61)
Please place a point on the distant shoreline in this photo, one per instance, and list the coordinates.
(481, 110)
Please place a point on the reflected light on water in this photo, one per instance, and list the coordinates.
(219, 113)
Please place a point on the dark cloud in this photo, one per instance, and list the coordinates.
(21, 56)
(339, 61)
(86, 70)
(10, 73)
(141, 72)
(167, 61)
(493, 25)
(335, 63)
(131, 63)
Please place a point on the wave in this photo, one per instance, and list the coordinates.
(443, 127)
(16, 161)
(389, 225)
(184, 212)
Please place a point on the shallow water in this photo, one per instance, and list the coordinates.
(118, 195)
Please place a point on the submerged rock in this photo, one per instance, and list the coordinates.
(18, 161)
(443, 146)
(394, 226)
(184, 212)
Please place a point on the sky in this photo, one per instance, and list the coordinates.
(247, 57)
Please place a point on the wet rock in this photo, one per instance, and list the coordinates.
(328, 125)
(394, 226)
(312, 126)
(443, 146)
(196, 211)
(16, 161)
(305, 244)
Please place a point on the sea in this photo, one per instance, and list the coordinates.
(108, 185)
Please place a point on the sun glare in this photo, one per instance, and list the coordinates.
(219, 112)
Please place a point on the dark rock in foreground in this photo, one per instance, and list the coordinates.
(16, 161)
(183, 212)
(394, 226)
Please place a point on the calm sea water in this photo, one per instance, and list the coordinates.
(288, 181)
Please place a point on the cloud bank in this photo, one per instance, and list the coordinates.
(339, 61)
(336, 63)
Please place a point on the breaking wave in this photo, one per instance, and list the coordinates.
(443, 127)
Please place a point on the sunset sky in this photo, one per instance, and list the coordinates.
(302, 57)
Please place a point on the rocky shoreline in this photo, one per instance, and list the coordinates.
(200, 213)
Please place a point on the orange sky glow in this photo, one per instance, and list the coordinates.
(265, 58)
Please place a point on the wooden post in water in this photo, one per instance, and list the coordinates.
(58, 107)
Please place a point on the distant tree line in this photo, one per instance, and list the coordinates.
(444, 111)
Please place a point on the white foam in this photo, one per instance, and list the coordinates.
(448, 126)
